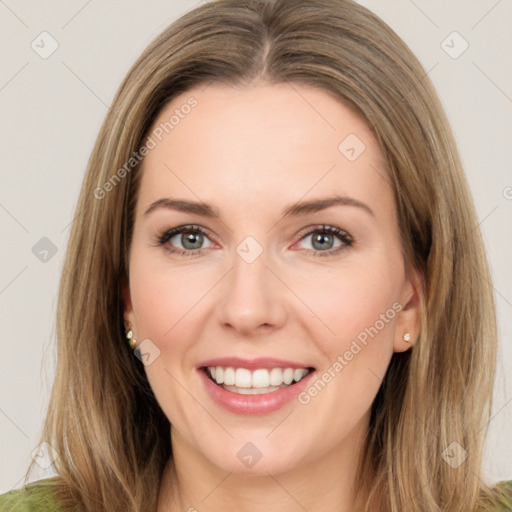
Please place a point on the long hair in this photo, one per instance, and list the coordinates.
(111, 437)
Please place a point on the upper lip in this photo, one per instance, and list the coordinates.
(253, 364)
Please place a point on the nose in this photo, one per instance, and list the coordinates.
(252, 297)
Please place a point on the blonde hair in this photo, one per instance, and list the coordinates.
(103, 420)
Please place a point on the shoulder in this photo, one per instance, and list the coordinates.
(37, 496)
(504, 489)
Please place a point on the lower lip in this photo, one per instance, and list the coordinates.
(250, 405)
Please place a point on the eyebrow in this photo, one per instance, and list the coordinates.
(294, 210)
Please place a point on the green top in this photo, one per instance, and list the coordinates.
(38, 497)
(34, 497)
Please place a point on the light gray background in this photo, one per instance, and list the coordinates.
(51, 111)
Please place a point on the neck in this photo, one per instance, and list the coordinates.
(327, 483)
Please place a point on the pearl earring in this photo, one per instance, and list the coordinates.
(131, 340)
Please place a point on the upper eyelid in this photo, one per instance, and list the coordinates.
(323, 227)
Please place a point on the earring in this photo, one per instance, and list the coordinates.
(407, 337)
(131, 340)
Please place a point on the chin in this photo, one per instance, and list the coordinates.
(255, 455)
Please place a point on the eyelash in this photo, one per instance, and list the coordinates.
(346, 239)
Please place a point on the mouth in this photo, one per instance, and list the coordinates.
(254, 386)
(258, 381)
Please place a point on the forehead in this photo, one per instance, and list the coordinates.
(264, 142)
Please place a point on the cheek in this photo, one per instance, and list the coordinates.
(357, 307)
(163, 296)
(163, 300)
(350, 301)
(169, 305)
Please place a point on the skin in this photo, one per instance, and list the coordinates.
(251, 152)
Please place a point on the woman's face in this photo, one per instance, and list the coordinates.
(289, 267)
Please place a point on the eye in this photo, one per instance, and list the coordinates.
(327, 240)
(184, 240)
(188, 240)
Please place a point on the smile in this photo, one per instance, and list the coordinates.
(255, 382)
(254, 386)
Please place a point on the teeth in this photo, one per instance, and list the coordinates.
(262, 378)
(242, 378)
(288, 376)
(299, 373)
(276, 377)
(250, 391)
(229, 376)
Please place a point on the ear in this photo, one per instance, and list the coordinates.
(409, 317)
(128, 314)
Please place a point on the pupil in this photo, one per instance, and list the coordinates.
(189, 238)
(324, 241)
